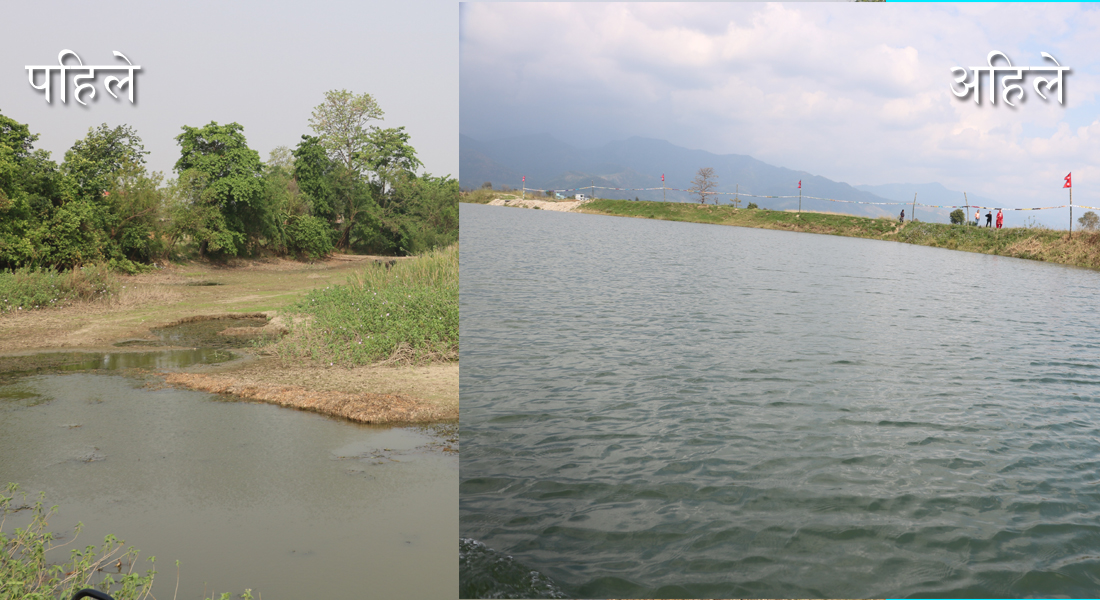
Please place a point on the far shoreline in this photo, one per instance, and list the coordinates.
(1081, 249)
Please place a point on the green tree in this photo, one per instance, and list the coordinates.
(94, 161)
(313, 172)
(341, 123)
(958, 216)
(232, 176)
(1089, 221)
(390, 156)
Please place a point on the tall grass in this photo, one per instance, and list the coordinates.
(406, 312)
(31, 289)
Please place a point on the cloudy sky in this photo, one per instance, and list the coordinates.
(262, 64)
(858, 93)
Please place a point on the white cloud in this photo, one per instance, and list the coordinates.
(854, 92)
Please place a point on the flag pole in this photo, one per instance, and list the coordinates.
(799, 196)
(1069, 184)
(966, 220)
(523, 189)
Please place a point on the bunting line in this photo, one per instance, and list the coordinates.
(740, 194)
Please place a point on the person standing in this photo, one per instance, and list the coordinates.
(1000, 218)
(902, 219)
(989, 219)
(977, 217)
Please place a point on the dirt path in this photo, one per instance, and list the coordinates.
(376, 394)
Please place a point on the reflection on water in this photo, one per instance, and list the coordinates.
(48, 362)
(657, 409)
(287, 503)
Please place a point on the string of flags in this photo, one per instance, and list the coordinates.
(739, 194)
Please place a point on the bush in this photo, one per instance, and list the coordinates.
(752, 205)
(31, 289)
(25, 573)
(310, 236)
(958, 217)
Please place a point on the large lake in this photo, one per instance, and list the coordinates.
(670, 409)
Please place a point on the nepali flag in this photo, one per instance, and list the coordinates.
(524, 179)
(662, 176)
(799, 184)
(1067, 181)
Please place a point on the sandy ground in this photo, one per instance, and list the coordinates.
(375, 394)
(562, 206)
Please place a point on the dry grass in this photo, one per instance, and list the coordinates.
(370, 408)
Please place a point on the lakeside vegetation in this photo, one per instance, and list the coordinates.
(30, 289)
(27, 574)
(1082, 249)
(406, 312)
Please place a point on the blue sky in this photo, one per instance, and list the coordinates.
(264, 65)
(858, 93)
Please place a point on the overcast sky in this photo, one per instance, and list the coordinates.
(858, 93)
(262, 64)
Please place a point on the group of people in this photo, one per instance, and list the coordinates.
(988, 218)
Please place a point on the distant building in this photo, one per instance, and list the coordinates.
(580, 197)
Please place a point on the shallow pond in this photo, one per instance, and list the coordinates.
(288, 503)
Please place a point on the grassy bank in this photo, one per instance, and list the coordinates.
(32, 289)
(407, 312)
(1035, 243)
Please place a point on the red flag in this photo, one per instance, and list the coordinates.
(1067, 182)
(662, 176)
(524, 179)
(799, 184)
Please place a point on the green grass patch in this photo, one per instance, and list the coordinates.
(32, 289)
(406, 313)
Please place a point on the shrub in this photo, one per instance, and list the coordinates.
(25, 573)
(1089, 220)
(31, 289)
(308, 235)
(752, 205)
(958, 216)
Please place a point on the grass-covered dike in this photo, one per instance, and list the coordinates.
(1082, 249)
(404, 312)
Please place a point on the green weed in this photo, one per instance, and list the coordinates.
(32, 289)
(403, 312)
(26, 574)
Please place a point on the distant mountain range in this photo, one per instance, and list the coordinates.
(639, 163)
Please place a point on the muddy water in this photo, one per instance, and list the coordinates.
(287, 503)
(17, 366)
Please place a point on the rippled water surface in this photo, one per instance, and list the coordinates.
(682, 410)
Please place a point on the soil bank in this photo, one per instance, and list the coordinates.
(177, 292)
